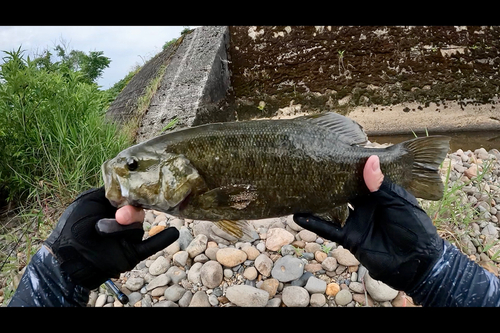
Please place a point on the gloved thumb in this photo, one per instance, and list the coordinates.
(156, 243)
(326, 229)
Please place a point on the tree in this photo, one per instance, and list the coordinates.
(90, 65)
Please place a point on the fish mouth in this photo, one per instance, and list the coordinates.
(112, 187)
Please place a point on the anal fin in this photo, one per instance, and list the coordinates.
(338, 215)
(240, 229)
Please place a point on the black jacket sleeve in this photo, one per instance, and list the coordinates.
(45, 284)
(455, 280)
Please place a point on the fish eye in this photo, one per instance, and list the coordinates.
(132, 164)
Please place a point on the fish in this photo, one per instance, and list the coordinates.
(232, 172)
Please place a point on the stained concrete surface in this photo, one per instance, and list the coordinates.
(196, 80)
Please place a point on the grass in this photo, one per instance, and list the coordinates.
(130, 128)
(453, 214)
(54, 139)
(454, 206)
(171, 125)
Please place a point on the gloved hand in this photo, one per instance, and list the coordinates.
(90, 258)
(388, 233)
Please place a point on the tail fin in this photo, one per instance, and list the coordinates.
(428, 153)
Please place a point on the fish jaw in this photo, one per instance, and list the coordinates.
(113, 188)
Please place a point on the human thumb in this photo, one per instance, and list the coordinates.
(372, 174)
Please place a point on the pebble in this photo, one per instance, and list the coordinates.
(361, 299)
(197, 245)
(173, 248)
(230, 256)
(185, 299)
(180, 258)
(287, 268)
(194, 274)
(250, 273)
(307, 236)
(134, 297)
(199, 299)
(174, 293)
(101, 300)
(134, 283)
(271, 286)
(211, 253)
(291, 223)
(252, 252)
(332, 289)
(329, 264)
(357, 287)
(263, 264)
(343, 297)
(295, 296)
(156, 229)
(344, 257)
(261, 247)
(165, 304)
(211, 274)
(185, 238)
(159, 281)
(159, 266)
(277, 237)
(176, 274)
(247, 296)
(317, 300)
(312, 247)
(288, 249)
(378, 290)
(228, 273)
(320, 256)
(315, 285)
(301, 281)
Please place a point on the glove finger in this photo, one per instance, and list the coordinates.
(110, 228)
(156, 243)
(325, 229)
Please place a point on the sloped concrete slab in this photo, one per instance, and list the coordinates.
(196, 80)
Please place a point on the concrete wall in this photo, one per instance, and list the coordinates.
(195, 83)
(287, 69)
(193, 88)
(124, 107)
(389, 79)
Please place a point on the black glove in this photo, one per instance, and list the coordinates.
(388, 233)
(89, 257)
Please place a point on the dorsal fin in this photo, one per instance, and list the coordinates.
(347, 129)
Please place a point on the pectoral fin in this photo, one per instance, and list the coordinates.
(240, 229)
(232, 196)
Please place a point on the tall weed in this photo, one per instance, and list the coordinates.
(53, 135)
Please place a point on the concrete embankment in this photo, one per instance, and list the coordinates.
(389, 79)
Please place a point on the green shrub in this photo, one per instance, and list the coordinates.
(53, 135)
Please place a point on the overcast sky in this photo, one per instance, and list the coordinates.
(126, 46)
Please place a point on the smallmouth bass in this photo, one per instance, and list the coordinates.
(236, 171)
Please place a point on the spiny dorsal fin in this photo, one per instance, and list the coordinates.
(347, 129)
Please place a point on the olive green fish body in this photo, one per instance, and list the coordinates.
(266, 168)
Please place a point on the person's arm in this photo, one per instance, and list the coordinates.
(455, 280)
(45, 284)
(86, 248)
